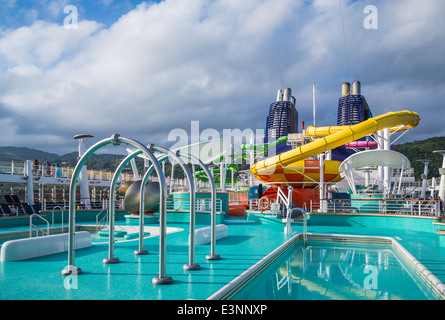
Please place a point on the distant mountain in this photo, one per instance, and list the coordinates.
(23, 153)
(96, 161)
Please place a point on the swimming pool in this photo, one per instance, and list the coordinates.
(246, 245)
(374, 268)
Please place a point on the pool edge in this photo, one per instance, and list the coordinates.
(234, 286)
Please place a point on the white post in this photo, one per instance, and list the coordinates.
(424, 178)
(252, 160)
(83, 176)
(288, 211)
(386, 169)
(314, 103)
(380, 168)
(433, 186)
(134, 168)
(322, 204)
(442, 175)
(29, 182)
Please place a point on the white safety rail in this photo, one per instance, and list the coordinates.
(202, 205)
(31, 225)
(12, 167)
(256, 204)
(52, 171)
(430, 208)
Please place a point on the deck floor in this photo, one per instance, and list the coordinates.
(40, 278)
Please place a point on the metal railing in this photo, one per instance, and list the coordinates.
(52, 215)
(102, 222)
(430, 208)
(37, 228)
(201, 204)
(42, 170)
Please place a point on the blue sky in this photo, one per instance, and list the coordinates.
(143, 69)
(17, 13)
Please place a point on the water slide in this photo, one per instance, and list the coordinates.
(274, 168)
(365, 144)
(202, 175)
(263, 146)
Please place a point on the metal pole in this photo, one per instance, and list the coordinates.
(314, 103)
(71, 268)
(424, 178)
(191, 185)
(442, 175)
(29, 182)
(322, 205)
(386, 169)
(289, 210)
(111, 211)
(191, 265)
(212, 255)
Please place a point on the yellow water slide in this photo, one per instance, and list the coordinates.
(331, 138)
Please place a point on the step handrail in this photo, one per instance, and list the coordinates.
(38, 229)
(104, 219)
(61, 209)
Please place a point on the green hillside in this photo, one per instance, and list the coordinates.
(418, 150)
(104, 162)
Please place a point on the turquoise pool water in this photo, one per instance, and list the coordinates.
(328, 271)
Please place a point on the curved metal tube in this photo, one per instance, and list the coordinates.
(191, 265)
(212, 255)
(71, 268)
(116, 175)
(115, 140)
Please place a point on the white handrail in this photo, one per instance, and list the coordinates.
(61, 209)
(104, 220)
(38, 229)
(374, 205)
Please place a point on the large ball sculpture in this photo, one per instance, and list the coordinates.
(123, 188)
(151, 197)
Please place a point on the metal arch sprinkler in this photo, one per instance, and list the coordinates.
(212, 255)
(111, 258)
(191, 265)
(116, 175)
(115, 140)
(141, 251)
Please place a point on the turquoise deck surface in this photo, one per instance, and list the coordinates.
(40, 278)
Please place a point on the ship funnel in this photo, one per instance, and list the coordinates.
(356, 90)
(287, 94)
(280, 95)
(345, 88)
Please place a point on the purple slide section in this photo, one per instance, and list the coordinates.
(365, 144)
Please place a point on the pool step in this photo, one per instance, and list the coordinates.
(132, 236)
(239, 222)
(117, 233)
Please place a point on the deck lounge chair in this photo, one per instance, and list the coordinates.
(6, 210)
(27, 209)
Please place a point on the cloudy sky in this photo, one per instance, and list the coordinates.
(145, 68)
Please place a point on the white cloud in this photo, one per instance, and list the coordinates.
(220, 62)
